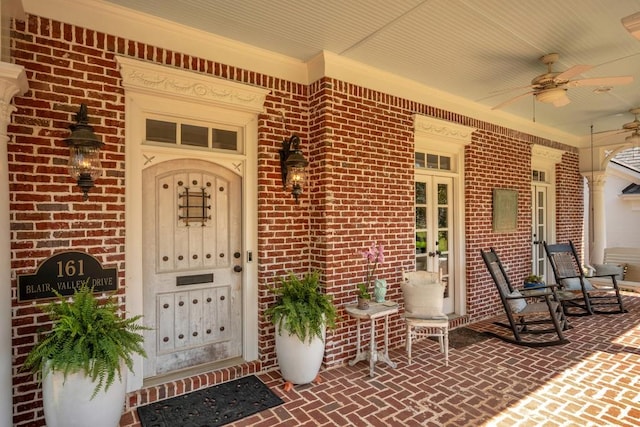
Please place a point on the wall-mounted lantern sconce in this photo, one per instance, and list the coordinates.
(293, 165)
(84, 152)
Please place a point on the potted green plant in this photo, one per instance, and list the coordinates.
(301, 314)
(533, 280)
(81, 360)
(363, 296)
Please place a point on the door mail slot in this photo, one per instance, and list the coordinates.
(194, 279)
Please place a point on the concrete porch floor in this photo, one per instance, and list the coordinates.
(592, 381)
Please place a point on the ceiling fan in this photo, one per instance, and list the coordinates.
(551, 87)
(633, 126)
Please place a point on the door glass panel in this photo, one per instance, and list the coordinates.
(421, 218)
(421, 242)
(421, 264)
(421, 193)
(443, 194)
(443, 218)
(420, 160)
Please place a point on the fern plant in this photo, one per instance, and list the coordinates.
(301, 307)
(88, 336)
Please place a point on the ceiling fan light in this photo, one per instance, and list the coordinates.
(550, 96)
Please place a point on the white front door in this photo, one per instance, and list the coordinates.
(434, 231)
(539, 207)
(192, 264)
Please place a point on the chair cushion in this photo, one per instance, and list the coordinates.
(423, 300)
(517, 305)
(573, 284)
(605, 269)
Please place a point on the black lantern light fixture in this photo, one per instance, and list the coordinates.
(84, 152)
(293, 165)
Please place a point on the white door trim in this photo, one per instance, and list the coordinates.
(155, 89)
(440, 136)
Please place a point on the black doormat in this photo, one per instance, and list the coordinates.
(462, 337)
(213, 406)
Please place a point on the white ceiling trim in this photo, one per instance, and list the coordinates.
(115, 20)
(331, 65)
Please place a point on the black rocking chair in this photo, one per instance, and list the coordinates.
(577, 292)
(526, 317)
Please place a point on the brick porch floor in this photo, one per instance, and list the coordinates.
(592, 381)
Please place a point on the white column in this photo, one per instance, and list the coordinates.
(13, 81)
(597, 217)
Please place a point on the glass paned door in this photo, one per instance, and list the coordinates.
(538, 229)
(434, 230)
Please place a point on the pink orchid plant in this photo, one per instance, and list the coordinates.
(374, 256)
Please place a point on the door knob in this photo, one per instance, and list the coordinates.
(237, 269)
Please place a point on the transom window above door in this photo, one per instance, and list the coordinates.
(193, 135)
(432, 161)
(538, 176)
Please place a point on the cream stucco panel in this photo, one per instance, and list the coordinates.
(173, 83)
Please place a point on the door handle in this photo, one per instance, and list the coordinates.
(237, 268)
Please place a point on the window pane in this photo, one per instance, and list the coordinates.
(194, 135)
(224, 139)
(421, 263)
(442, 217)
(445, 163)
(421, 193)
(421, 242)
(432, 161)
(443, 194)
(160, 131)
(443, 241)
(421, 218)
(420, 163)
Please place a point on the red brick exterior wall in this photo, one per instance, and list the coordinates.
(360, 146)
(569, 205)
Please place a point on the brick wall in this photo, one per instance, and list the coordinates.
(360, 189)
(495, 161)
(570, 207)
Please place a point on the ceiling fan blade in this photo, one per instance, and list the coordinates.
(609, 132)
(602, 81)
(503, 91)
(573, 71)
(512, 100)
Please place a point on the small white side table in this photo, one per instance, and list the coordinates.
(375, 311)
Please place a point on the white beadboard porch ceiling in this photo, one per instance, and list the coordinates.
(474, 49)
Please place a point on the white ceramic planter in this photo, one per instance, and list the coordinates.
(299, 361)
(68, 403)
